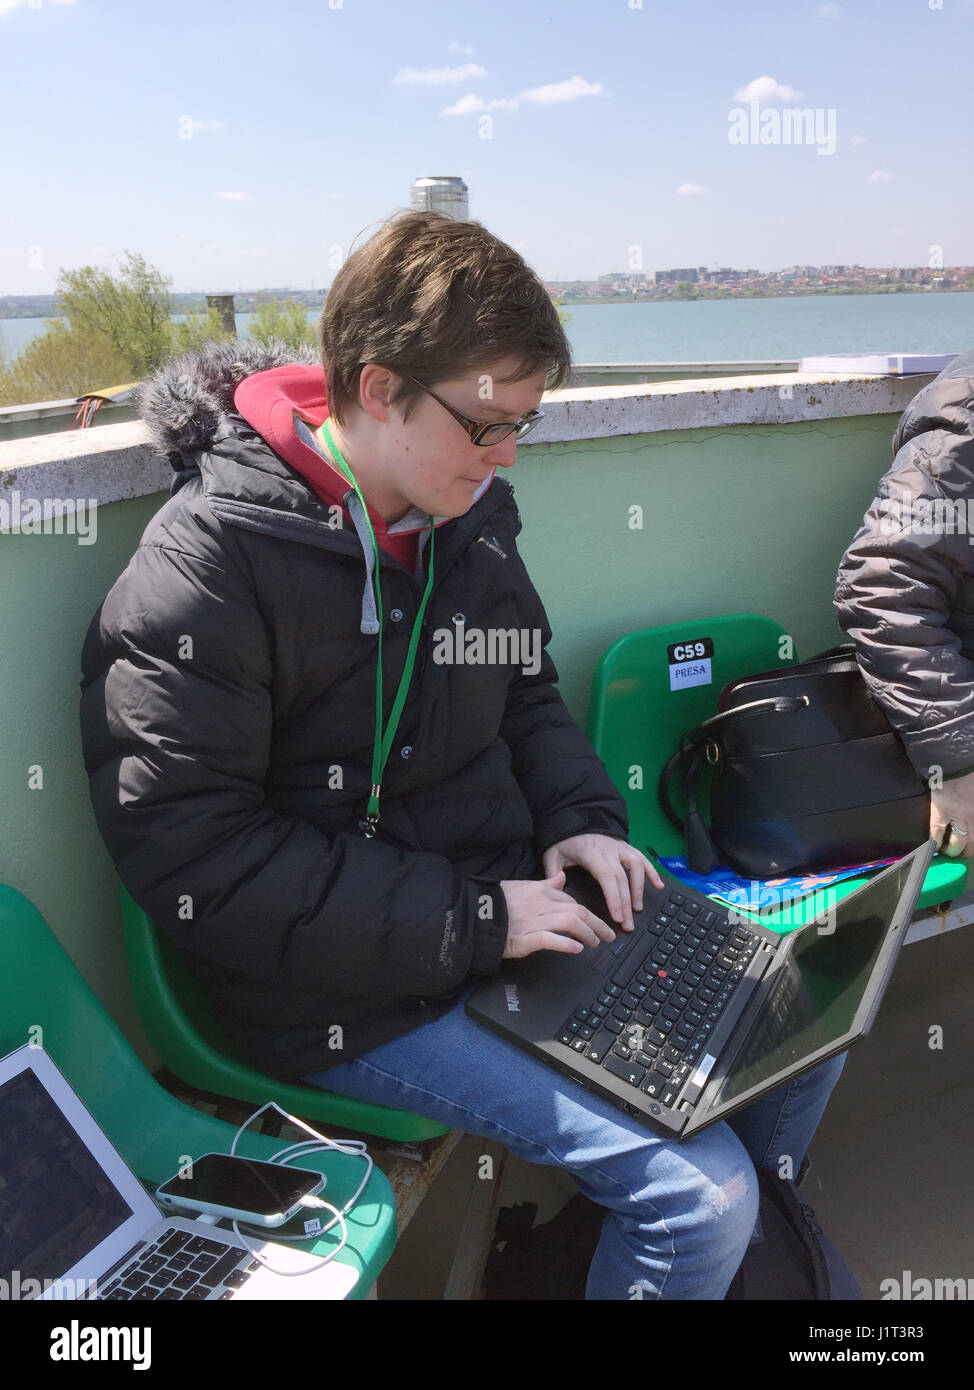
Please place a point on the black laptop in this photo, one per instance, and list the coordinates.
(697, 1012)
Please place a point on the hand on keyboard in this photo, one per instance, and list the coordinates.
(617, 867)
(541, 917)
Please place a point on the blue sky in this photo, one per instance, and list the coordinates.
(584, 128)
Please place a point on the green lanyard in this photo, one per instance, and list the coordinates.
(382, 742)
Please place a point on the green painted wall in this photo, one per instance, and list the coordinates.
(735, 520)
(742, 519)
(50, 848)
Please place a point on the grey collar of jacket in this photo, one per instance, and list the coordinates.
(258, 491)
(412, 521)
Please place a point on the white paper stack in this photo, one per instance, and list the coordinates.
(880, 363)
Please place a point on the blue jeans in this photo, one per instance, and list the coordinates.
(679, 1216)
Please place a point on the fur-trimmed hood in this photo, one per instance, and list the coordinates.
(184, 403)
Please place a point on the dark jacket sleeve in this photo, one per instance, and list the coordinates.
(898, 584)
(177, 724)
(561, 776)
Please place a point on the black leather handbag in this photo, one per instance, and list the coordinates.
(807, 773)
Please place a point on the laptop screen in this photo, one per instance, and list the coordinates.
(56, 1202)
(813, 998)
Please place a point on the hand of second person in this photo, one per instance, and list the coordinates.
(952, 816)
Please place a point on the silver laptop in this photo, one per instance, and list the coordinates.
(76, 1223)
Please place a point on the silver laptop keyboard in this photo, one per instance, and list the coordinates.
(179, 1265)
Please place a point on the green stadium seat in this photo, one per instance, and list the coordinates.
(635, 722)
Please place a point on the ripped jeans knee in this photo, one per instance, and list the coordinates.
(687, 1229)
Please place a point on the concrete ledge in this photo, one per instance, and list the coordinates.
(692, 371)
(106, 463)
(785, 398)
(110, 463)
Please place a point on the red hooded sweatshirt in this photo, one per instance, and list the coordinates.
(271, 401)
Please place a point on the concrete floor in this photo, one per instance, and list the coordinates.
(891, 1176)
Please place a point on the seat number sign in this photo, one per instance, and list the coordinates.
(689, 663)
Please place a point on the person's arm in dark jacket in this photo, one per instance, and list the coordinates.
(897, 584)
(177, 744)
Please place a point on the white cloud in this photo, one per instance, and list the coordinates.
(690, 190)
(466, 106)
(766, 89)
(207, 126)
(254, 253)
(436, 77)
(878, 176)
(828, 11)
(212, 248)
(229, 197)
(8, 6)
(569, 90)
(858, 140)
(465, 49)
(470, 105)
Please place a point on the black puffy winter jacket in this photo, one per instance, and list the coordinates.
(905, 590)
(227, 718)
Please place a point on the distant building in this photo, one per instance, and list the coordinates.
(673, 277)
(442, 193)
(622, 282)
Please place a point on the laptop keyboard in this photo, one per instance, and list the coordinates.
(657, 1006)
(180, 1265)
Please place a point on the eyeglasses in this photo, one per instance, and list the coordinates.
(481, 433)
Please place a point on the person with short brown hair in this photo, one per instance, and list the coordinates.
(341, 830)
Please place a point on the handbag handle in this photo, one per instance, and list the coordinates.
(701, 854)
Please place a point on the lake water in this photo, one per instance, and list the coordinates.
(728, 329)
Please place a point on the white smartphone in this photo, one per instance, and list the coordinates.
(246, 1189)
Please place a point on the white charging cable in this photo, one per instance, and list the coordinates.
(304, 1148)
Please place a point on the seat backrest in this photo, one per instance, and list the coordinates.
(636, 716)
(45, 1001)
(192, 1042)
(171, 1000)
